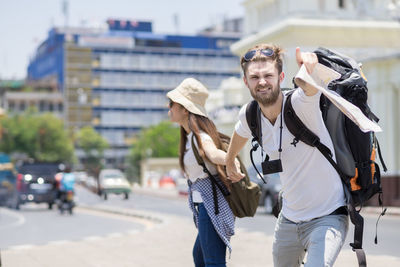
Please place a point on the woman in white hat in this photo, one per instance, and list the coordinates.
(212, 215)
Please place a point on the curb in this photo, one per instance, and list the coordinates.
(168, 194)
(124, 212)
(175, 195)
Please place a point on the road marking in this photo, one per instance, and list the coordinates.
(20, 219)
(59, 242)
(116, 215)
(93, 238)
(20, 247)
(114, 235)
(133, 232)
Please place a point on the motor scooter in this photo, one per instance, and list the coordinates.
(66, 202)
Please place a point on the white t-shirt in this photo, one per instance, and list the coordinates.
(311, 186)
(192, 169)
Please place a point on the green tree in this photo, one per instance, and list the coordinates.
(40, 136)
(93, 145)
(161, 140)
(52, 140)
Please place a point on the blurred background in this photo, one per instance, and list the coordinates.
(84, 82)
(83, 90)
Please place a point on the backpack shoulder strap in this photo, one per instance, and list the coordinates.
(214, 182)
(302, 133)
(380, 155)
(296, 126)
(199, 159)
(253, 118)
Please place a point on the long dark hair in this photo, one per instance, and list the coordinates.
(199, 123)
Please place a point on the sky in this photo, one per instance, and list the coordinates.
(24, 24)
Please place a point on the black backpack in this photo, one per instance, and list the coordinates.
(355, 150)
(243, 196)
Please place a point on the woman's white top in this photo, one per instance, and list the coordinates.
(192, 169)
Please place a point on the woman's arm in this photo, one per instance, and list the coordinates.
(215, 155)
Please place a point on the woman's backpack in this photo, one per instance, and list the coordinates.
(243, 196)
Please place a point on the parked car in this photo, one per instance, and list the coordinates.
(269, 191)
(113, 181)
(8, 192)
(36, 183)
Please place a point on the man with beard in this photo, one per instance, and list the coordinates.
(313, 217)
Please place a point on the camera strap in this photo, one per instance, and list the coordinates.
(280, 138)
(280, 132)
(257, 138)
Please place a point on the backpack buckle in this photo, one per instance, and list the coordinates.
(254, 144)
(315, 141)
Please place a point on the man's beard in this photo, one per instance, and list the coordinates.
(266, 99)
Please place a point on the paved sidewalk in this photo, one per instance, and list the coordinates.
(166, 242)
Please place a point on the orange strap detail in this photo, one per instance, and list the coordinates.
(373, 155)
(353, 182)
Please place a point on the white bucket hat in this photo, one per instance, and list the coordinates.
(191, 94)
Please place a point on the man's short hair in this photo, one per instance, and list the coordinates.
(259, 56)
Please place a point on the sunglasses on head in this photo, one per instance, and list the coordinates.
(250, 55)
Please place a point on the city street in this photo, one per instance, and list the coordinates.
(149, 229)
(388, 235)
(36, 225)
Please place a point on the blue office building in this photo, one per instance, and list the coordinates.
(116, 78)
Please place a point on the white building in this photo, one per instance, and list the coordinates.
(19, 102)
(367, 30)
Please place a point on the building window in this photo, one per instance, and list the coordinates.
(342, 4)
(22, 106)
(42, 106)
(11, 105)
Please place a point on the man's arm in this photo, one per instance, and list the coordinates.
(236, 144)
(309, 60)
